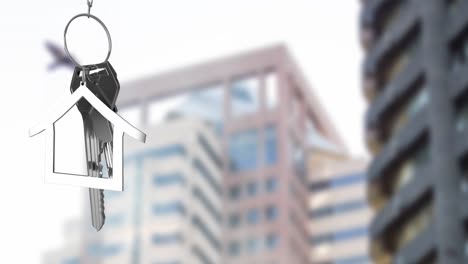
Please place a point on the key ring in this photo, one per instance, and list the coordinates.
(109, 40)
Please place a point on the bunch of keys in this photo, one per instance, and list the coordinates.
(101, 80)
(94, 90)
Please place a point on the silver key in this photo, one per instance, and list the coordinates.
(96, 196)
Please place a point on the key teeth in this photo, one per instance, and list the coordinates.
(102, 210)
(99, 223)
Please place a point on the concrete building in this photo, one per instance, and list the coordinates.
(416, 83)
(338, 209)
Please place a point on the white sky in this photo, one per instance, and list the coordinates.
(149, 37)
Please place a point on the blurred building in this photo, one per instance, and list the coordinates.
(263, 111)
(170, 211)
(416, 83)
(338, 209)
(263, 114)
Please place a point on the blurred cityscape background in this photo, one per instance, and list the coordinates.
(244, 164)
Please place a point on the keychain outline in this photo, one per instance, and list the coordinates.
(121, 127)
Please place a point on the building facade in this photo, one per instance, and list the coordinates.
(414, 77)
(262, 109)
(170, 211)
(262, 112)
(338, 209)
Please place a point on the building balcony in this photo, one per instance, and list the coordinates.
(458, 81)
(461, 147)
(395, 90)
(397, 31)
(398, 145)
(401, 202)
(458, 21)
(418, 249)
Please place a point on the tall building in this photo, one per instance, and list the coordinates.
(170, 211)
(263, 110)
(338, 208)
(416, 83)
(263, 113)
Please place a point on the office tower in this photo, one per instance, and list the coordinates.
(338, 210)
(415, 80)
(262, 109)
(259, 114)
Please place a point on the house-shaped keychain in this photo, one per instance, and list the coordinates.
(120, 126)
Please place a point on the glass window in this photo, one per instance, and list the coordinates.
(253, 216)
(244, 96)
(338, 182)
(253, 245)
(169, 238)
(271, 212)
(114, 219)
(252, 188)
(340, 236)
(408, 168)
(234, 220)
(338, 208)
(271, 184)
(104, 250)
(163, 152)
(398, 62)
(298, 161)
(162, 109)
(416, 222)
(72, 260)
(272, 241)
(168, 179)
(359, 259)
(203, 103)
(234, 248)
(271, 90)
(411, 108)
(235, 192)
(271, 145)
(243, 151)
(173, 207)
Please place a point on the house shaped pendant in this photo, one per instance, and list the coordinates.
(120, 127)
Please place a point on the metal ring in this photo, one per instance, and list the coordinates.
(109, 40)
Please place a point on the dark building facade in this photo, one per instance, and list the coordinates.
(415, 78)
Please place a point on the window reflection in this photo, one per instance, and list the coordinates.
(243, 149)
(244, 96)
(271, 145)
